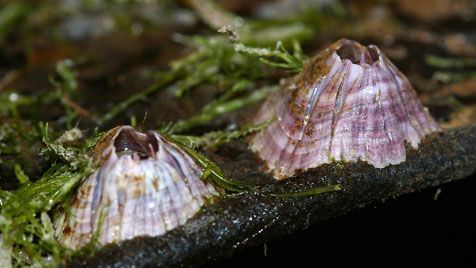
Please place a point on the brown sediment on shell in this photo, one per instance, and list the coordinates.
(104, 142)
(315, 70)
(145, 186)
(349, 103)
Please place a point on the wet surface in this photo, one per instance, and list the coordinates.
(411, 229)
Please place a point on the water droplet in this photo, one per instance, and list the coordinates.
(13, 97)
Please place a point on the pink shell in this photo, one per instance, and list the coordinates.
(349, 103)
(145, 186)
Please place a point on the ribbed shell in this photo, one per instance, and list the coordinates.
(133, 195)
(349, 103)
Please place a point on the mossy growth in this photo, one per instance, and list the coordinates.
(245, 64)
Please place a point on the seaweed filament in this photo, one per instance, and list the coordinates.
(244, 69)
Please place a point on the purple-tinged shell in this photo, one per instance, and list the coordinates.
(145, 186)
(349, 103)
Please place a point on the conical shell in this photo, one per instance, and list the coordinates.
(145, 186)
(349, 103)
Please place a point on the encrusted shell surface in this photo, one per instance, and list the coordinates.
(349, 103)
(145, 186)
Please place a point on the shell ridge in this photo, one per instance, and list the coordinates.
(337, 149)
(315, 96)
(386, 127)
(416, 105)
(68, 223)
(188, 190)
(398, 137)
(187, 201)
(130, 193)
(171, 191)
(378, 124)
(398, 108)
(95, 203)
(280, 127)
(270, 138)
(368, 120)
(146, 211)
(416, 111)
(133, 212)
(108, 205)
(187, 167)
(154, 218)
(164, 197)
(340, 144)
(151, 208)
(363, 110)
(139, 201)
(355, 135)
(318, 89)
(121, 200)
(173, 161)
(338, 106)
(160, 223)
(179, 160)
(142, 208)
(398, 91)
(125, 201)
(89, 199)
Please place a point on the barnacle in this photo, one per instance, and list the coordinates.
(349, 103)
(145, 185)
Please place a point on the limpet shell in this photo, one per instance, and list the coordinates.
(145, 186)
(349, 103)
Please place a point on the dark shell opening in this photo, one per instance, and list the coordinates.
(357, 53)
(131, 141)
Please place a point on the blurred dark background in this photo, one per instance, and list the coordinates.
(413, 230)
